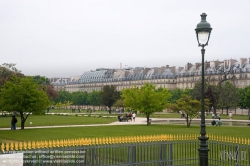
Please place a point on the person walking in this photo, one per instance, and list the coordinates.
(134, 115)
(212, 115)
(13, 122)
(230, 115)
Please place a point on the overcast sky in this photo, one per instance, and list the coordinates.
(63, 38)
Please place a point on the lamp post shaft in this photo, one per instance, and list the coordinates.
(203, 150)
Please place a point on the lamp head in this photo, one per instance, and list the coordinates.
(203, 30)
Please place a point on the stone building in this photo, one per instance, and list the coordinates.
(165, 77)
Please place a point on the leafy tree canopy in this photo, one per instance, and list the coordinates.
(229, 96)
(108, 96)
(24, 96)
(46, 86)
(7, 71)
(191, 107)
(147, 99)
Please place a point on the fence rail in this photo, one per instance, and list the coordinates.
(154, 150)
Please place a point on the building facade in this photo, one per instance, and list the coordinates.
(165, 77)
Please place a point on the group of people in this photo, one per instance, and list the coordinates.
(218, 123)
(126, 117)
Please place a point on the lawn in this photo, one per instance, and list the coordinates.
(53, 120)
(109, 131)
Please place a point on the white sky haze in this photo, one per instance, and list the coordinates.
(63, 38)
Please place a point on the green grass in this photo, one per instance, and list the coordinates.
(119, 130)
(52, 120)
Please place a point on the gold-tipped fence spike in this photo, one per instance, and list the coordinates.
(25, 146)
(7, 147)
(93, 141)
(139, 139)
(20, 146)
(157, 137)
(162, 137)
(11, 146)
(33, 145)
(107, 140)
(82, 141)
(3, 147)
(53, 143)
(97, 141)
(46, 144)
(61, 143)
(37, 145)
(104, 140)
(29, 145)
(16, 146)
(41, 144)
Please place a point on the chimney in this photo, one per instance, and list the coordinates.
(156, 69)
(188, 66)
(145, 70)
(180, 69)
(231, 62)
(217, 63)
(173, 69)
(242, 61)
(197, 65)
(206, 65)
(225, 63)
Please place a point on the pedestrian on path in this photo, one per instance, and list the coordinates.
(230, 115)
(134, 115)
(13, 122)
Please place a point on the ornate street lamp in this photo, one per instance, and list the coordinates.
(203, 31)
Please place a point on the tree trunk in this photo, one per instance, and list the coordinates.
(109, 110)
(188, 125)
(227, 110)
(222, 111)
(147, 120)
(215, 110)
(22, 124)
(23, 119)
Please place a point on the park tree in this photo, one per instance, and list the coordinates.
(229, 96)
(177, 93)
(93, 98)
(147, 99)
(191, 107)
(79, 98)
(119, 103)
(44, 82)
(213, 87)
(23, 96)
(7, 71)
(241, 92)
(108, 96)
(247, 98)
(63, 96)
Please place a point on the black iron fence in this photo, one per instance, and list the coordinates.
(159, 150)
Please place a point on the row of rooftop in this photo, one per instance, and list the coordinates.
(139, 73)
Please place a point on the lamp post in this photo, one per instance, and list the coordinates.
(203, 31)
